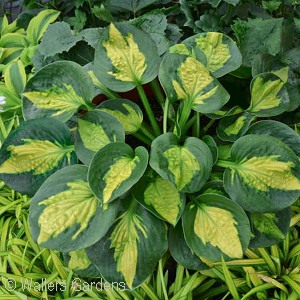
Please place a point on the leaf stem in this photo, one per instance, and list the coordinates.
(197, 125)
(185, 113)
(165, 118)
(157, 92)
(146, 132)
(148, 109)
(142, 138)
(188, 125)
(226, 164)
(210, 123)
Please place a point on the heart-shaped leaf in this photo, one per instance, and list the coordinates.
(215, 226)
(95, 130)
(187, 79)
(130, 250)
(34, 151)
(115, 169)
(64, 212)
(187, 167)
(264, 175)
(125, 57)
(58, 90)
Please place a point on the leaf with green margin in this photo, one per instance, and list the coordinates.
(39, 24)
(269, 96)
(64, 212)
(233, 127)
(125, 57)
(225, 113)
(214, 226)
(210, 142)
(278, 227)
(130, 250)
(34, 151)
(278, 130)
(187, 79)
(264, 174)
(131, 5)
(213, 187)
(57, 90)
(181, 252)
(15, 77)
(114, 169)
(95, 130)
(160, 197)
(221, 54)
(79, 263)
(187, 167)
(127, 112)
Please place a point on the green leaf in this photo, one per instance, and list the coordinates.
(214, 187)
(257, 36)
(39, 24)
(57, 90)
(155, 23)
(131, 5)
(125, 57)
(269, 96)
(13, 40)
(10, 101)
(214, 225)
(264, 174)
(160, 197)
(216, 51)
(208, 23)
(57, 39)
(132, 247)
(79, 262)
(279, 131)
(114, 169)
(15, 77)
(34, 151)
(187, 166)
(181, 252)
(95, 130)
(233, 127)
(64, 212)
(127, 112)
(78, 21)
(187, 79)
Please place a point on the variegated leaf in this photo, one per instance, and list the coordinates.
(125, 57)
(214, 226)
(269, 96)
(127, 112)
(187, 79)
(95, 130)
(123, 254)
(34, 151)
(58, 90)
(160, 197)
(187, 166)
(115, 169)
(64, 212)
(263, 174)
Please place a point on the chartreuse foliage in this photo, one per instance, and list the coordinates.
(111, 209)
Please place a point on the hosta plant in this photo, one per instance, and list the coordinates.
(116, 185)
